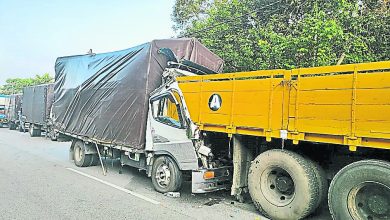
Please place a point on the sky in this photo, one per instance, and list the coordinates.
(34, 33)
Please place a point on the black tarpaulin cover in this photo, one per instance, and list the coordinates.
(15, 105)
(105, 96)
(36, 104)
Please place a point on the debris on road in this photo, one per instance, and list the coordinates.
(172, 194)
(213, 201)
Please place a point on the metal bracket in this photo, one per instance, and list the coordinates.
(352, 142)
(101, 161)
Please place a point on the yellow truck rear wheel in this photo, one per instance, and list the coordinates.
(283, 185)
(361, 190)
(321, 181)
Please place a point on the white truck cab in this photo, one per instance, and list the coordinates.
(172, 135)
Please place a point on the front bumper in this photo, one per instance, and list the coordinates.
(222, 180)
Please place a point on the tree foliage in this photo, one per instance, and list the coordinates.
(267, 34)
(16, 85)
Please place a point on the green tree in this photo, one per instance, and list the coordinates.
(16, 85)
(266, 34)
(187, 11)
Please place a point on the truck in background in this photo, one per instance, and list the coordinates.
(14, 111)
(4, 99)
(3, 116)
(36, 106)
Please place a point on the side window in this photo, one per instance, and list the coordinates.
(166, 111)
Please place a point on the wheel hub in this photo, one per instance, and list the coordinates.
(78, 153)
(277, 186)
(284, 184)
(369, 200)
(378, 204)
(163, 175)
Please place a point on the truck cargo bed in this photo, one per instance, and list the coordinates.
(347, 104)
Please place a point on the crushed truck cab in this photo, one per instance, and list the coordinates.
(171, 131)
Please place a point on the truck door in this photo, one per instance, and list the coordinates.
(168, 128)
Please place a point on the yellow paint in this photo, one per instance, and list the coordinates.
(172, 110)
(347, 104)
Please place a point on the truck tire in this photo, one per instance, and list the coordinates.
(53, 135)
(361, 190)
(34, 132)
(80, 158)
(21, 128)
(12, 126)
(166, 176)
(283, 185)
(38, 132)
(95, 160)
(31, 131)
(321, 181)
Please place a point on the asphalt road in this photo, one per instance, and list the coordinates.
(37, 181)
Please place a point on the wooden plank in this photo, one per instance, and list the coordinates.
(329, 97)
(325, 112)
(190, 87)
(326, 82)
(332, 127)
(374, 80)
(215, 118)
(259, 122)
(373, 112)
(373, 96)
(252, 85)
(217, 86)
(256, 103)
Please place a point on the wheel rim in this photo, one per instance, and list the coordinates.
(53, 135)
(369, 200)
(163, 175)
(277, 186)
(78, 155)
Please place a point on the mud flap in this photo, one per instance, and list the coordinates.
(242, 158)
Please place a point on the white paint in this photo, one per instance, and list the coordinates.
(173, 142)
(283, 134)
(116, 187)
(215, 103)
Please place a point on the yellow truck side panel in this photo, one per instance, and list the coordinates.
(347, 104)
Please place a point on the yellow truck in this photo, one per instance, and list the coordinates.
(288, 133)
